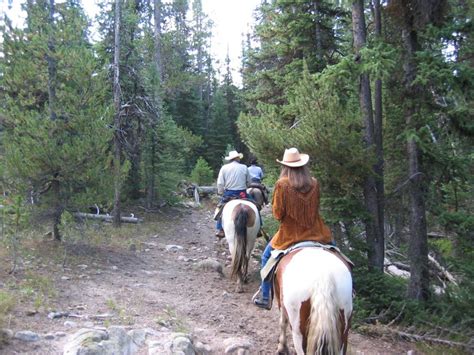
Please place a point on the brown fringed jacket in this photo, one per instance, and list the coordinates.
(298, 214)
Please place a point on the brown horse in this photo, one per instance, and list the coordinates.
(257, 195)
(313, 288)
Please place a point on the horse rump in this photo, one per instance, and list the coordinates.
(315, 288)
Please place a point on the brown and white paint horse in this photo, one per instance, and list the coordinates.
(313, 288)
(241, 223)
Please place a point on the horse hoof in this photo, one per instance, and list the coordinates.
(283, 351)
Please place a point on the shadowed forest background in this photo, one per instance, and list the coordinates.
(379, 94)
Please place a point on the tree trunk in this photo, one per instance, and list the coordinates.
(151, 188)
(117, 123)
(418, 288)
(58, 208)
(372, 224)
(378, 133)
(198, 14)
(52, 74)
(50, 58)
(317, 31)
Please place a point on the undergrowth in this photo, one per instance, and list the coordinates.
(380, 299)
(7, 303)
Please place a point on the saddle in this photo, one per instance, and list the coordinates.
(221, 204)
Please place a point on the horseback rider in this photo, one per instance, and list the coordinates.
(296, 205)
(256, 176)
(232, 182)
(256, 172)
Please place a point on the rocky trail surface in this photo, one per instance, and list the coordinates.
(166, 290)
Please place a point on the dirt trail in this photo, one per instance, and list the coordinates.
(152, 281)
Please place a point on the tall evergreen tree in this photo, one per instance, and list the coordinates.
(425, 98)
(223, 131)
(378, 140)
(117, 120)
(373, 226)
(286, 32)
(55, 114)
(157, 89)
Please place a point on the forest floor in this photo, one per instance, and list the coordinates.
(146, 276)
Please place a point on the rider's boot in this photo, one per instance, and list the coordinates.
(220, 234)
(261, 301)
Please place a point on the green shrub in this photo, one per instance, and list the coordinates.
(7, 303)
(379, 297)
(202, 173)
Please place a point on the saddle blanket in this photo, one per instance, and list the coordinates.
(220, 206)
(276, 255)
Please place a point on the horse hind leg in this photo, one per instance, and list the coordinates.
(282, 340)
(239, 288)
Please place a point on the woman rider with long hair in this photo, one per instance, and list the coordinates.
(296, 205)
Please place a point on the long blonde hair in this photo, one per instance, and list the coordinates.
(299, 178)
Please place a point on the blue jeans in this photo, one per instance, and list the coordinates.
(266, 285)
(225, 197)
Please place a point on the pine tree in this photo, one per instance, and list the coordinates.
(56, 117)
(117, 120)
(289, 34)
(223, 131)
(373, 224)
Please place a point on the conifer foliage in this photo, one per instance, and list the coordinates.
(380, 106)
(127, 112)
(56, 122)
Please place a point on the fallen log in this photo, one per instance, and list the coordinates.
(206, 190)
(400, 269)
(191, 189)
(381, 330)
(396, 268)
(439, 235)
(447, 275)
(107, 218)
(401, 266)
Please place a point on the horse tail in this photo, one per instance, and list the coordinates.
(240, 260)
(325, 323)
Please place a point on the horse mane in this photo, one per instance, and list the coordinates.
(325, 325)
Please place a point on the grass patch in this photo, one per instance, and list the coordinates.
(438, 350)
(170, 319)
(37, 289)
(7, 303)
(124, 318)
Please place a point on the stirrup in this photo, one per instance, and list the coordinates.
(257, 294)
(259, 301)
(220, 234)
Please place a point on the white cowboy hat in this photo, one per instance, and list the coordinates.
(293, 158)
(233, 154)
